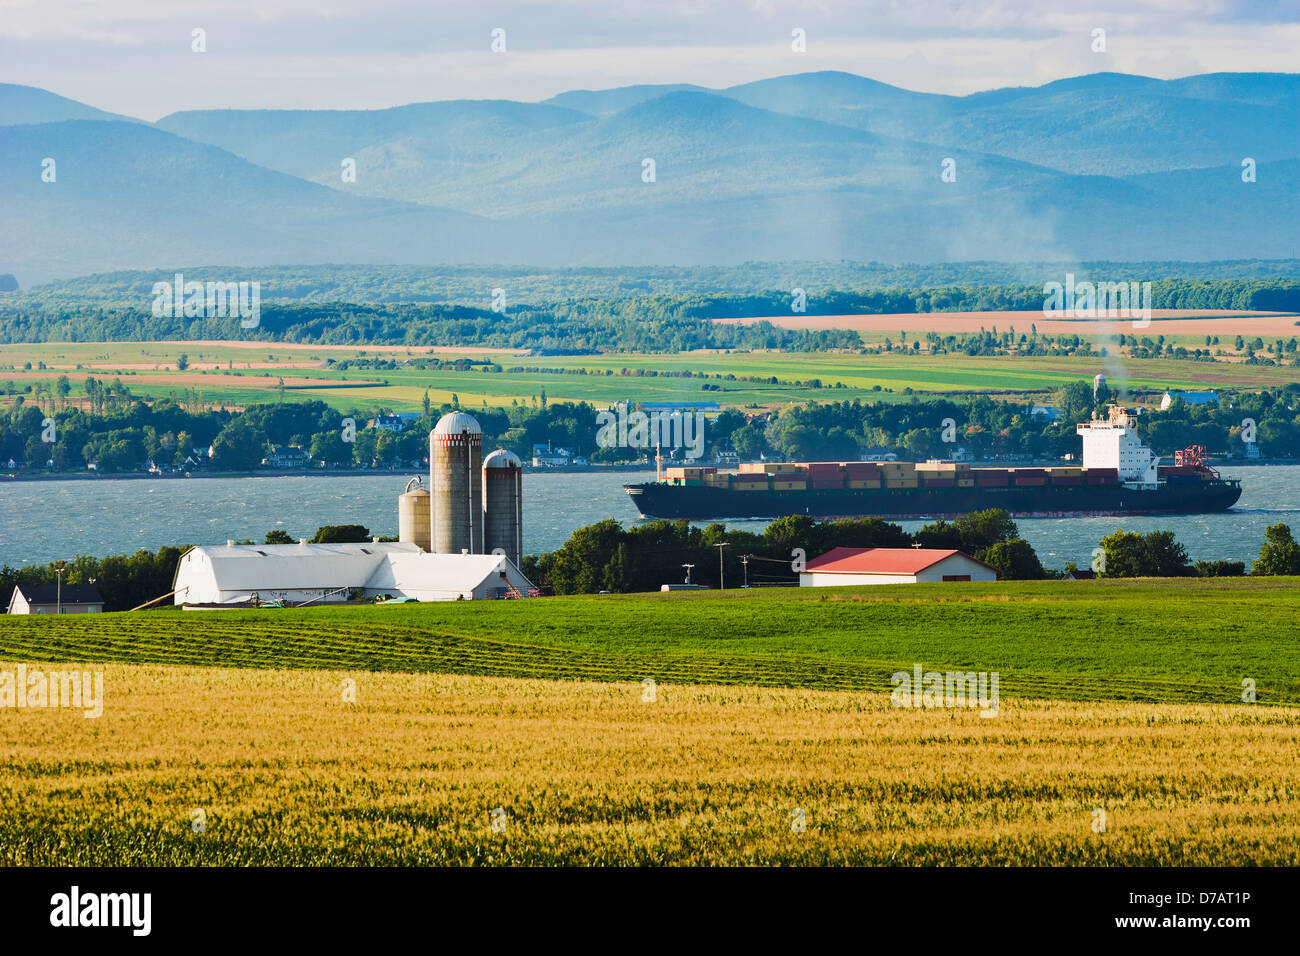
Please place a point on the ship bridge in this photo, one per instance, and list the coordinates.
(1113, 442)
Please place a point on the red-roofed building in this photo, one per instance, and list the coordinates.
(841, 566)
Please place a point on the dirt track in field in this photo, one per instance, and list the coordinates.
(1163, 322)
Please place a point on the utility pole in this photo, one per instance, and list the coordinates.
(722, 584)
(59, 571)
(744, 561)
(688, 572)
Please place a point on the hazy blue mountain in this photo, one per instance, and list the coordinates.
(1103, 123)
(128, 194)
(814, 166)
(609, 102)
(1266, 89)
(413, 153)
(27, 104)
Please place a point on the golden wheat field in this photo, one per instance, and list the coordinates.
(214, 766)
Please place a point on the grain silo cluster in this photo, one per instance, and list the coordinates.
(472, 505)
(459, 539)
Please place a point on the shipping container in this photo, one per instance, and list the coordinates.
(789, 485)
(1030, 481)
(863, 482)
(768, 467)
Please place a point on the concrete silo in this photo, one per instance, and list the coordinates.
(414, 522)
(503, 504)
(455, 471)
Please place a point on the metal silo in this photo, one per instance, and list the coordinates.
(503, 504)
(455, 466)
(414, 523)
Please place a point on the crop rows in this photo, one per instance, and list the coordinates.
(286, 772)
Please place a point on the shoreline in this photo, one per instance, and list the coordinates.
(290, 473)
(397, 472)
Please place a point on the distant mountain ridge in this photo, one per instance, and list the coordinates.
(824, 165)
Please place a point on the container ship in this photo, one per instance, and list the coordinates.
(1118, 475)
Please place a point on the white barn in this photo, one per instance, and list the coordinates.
(843, 566)
(329, 573)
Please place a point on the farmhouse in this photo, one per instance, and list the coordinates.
(842, 566)
(329, 573)
(47, 599)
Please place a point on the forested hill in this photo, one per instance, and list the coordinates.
(653, 323)
(472, 285)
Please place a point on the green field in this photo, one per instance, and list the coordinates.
(1173, 640)
(521, 732)
(149, 370)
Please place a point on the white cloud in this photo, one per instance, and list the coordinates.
(132, 56)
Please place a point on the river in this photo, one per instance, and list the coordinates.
(42, 521)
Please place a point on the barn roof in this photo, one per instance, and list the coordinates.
(389, 565)
(880, 560)
(444, 572)
(49, 593)
(283, 567)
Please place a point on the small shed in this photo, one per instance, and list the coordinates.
(47, 599)
(844, 566)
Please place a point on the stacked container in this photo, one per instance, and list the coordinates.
(750, 481)
(992, 478)
(899, 474)
(862, 474)
(825, 475)
(1029, 477)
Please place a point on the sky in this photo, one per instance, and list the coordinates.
(136, 56)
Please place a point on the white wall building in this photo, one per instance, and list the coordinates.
(1114, 443)
(328, 573)
(844, 566)
(51, 599)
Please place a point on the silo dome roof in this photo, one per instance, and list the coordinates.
(453, 423)
(501, 458)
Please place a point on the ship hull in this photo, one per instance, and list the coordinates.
(655, 500)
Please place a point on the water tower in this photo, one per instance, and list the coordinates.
(503, 504)
(455, 471)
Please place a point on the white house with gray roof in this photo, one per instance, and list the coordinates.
(330, 573)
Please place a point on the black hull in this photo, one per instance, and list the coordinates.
(655, 500)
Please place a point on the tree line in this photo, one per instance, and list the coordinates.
(130, 432)
(627, 322)
(608, 557)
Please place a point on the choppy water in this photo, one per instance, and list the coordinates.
(42, 521)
